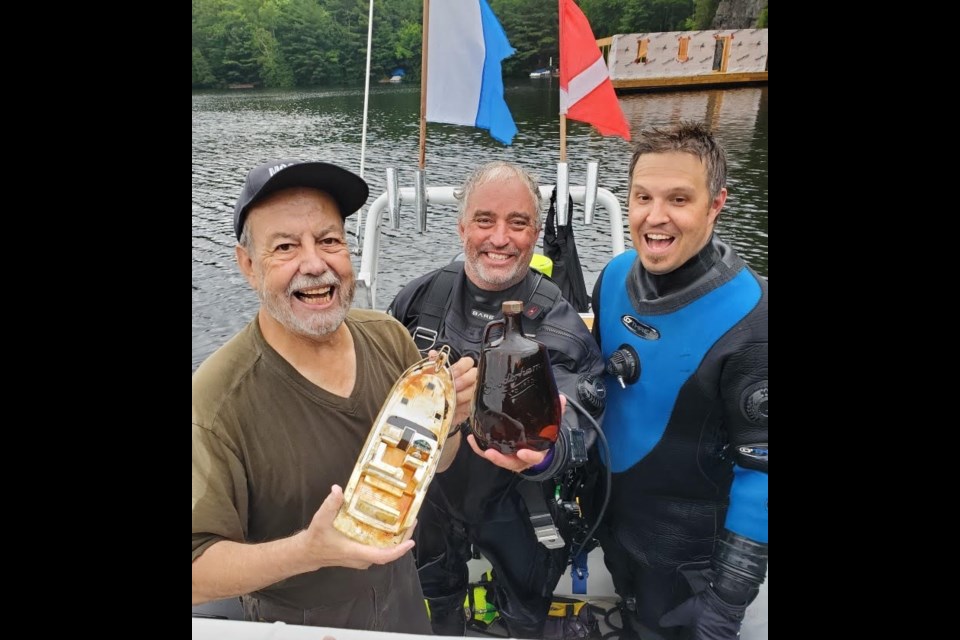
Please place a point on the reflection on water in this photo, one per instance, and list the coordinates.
(233, 131)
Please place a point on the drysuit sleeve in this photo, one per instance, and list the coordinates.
(739, 560)
(740, 556)
(744, 389)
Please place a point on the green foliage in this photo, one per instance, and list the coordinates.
(532, 28)
(202, 75)
(396, 37)
(703, 14)
(762, 18)
(303, 43)
(273, 68)
(239, 55)
(604, 16)
(301, 29)
(608, 17)
(408, 46)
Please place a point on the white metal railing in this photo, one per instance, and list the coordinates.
(370, 257)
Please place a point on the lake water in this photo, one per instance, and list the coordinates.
(233, 131)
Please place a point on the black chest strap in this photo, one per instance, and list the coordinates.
(433, 311)
(435, 305)
(439, 296)
(540, 517)
(545, 295)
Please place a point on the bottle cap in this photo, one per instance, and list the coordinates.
(512, 306)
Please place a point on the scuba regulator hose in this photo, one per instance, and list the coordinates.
(608, 477)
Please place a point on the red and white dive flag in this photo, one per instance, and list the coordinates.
(586, 93)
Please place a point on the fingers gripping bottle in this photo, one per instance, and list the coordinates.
(399, 459)
(517, 405)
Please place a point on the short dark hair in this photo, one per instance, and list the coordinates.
(687, 137)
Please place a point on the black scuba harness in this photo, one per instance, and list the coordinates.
(433, 311)
(432, 315)
(436, 304)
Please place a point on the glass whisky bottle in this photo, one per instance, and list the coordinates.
(516, 405)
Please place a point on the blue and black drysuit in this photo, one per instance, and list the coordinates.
(688, 441)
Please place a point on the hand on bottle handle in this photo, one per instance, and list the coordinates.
(464, 373)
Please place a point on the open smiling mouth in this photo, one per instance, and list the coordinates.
(318, 295)
(658, 241)
(499, 257)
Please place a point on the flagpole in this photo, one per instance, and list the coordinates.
(423, 84)
(593, 99)
(563, 138)
(366, 92)
(366, 101)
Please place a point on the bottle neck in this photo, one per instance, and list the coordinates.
(512, 323)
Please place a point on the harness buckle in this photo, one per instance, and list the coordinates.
(425, 334)
(546, 532)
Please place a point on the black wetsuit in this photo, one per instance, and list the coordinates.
(475, 502)
(688, 439)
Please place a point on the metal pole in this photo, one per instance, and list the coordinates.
(423, 84)
(366, 101)
(563, 138)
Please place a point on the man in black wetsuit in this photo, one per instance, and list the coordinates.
(510, 518)
(683, 320)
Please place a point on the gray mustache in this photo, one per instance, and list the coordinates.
(309, 282)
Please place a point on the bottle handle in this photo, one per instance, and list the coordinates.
(486, 331)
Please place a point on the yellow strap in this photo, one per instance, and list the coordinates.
(562, 609)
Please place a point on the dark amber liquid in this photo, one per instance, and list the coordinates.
(517, 405)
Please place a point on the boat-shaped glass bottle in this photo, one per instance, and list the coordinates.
(398, 461)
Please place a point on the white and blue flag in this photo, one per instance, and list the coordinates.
(465, 46)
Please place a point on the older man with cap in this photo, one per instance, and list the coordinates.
(282, 410)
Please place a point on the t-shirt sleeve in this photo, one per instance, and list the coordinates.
(220, 501)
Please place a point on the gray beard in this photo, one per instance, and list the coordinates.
(317, 325)
(495, 279)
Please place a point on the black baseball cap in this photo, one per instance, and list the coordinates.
(347, 188)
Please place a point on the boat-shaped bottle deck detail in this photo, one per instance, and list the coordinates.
(400, 457)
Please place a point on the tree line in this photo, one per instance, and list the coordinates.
(314, 43)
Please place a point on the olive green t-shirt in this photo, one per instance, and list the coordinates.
(268, 444)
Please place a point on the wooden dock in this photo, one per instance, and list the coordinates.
(680, 59)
